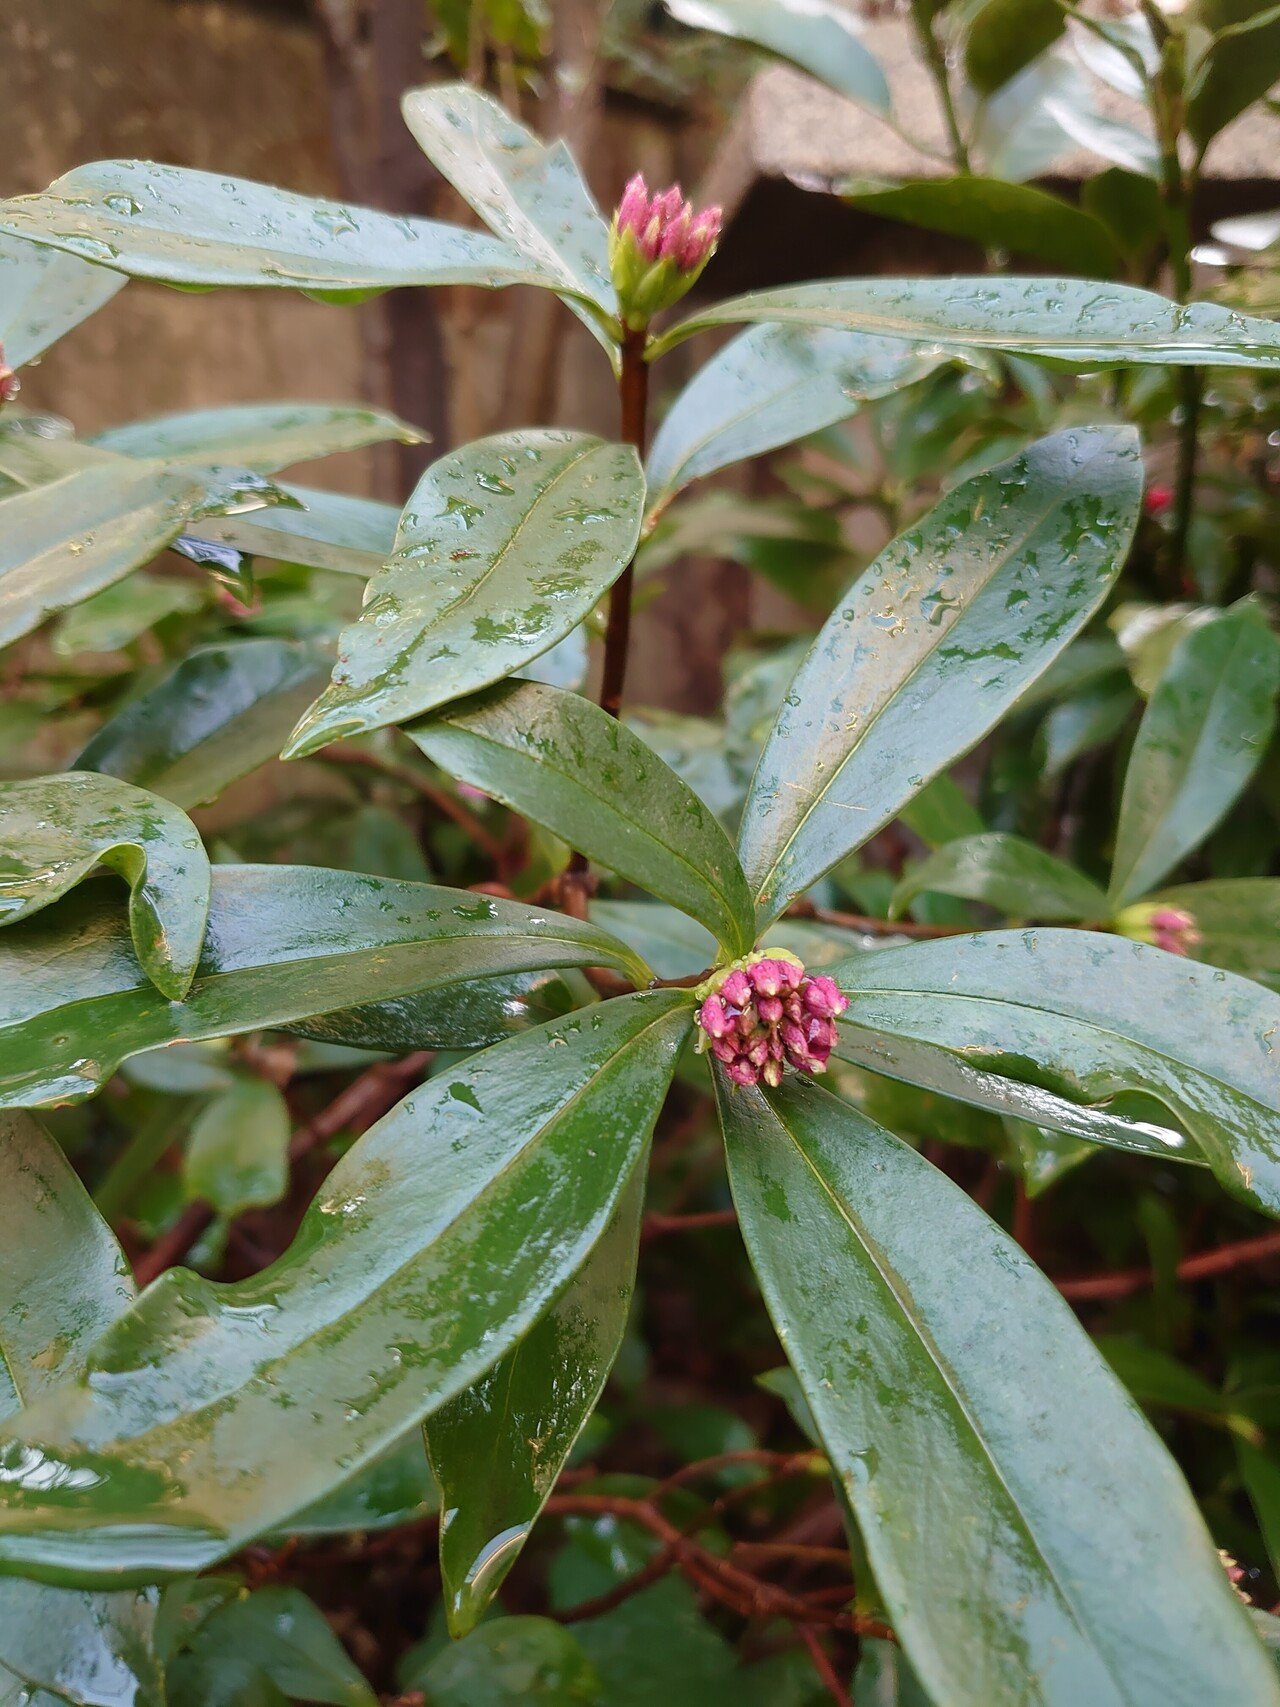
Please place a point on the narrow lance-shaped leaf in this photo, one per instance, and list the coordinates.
(770, 385)
(931, 647)
(43, 294)
(935, 1356)
(285, 945)
(222, 712)
(530, 193)
(438, 1241)
(202, 228)
(498, 1448)
(119, 614)
(504, 548)
(1066, 321)
(1204, 733)
(1087, 1017)
(58, 828)
(262, 436)
(327, 530)
(65, 1282)
(818, 36)
(566, 764)
(1005, 871)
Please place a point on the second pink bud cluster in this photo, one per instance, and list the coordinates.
(665, 226)
(770, 1013)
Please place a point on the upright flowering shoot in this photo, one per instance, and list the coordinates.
(658, 246)
(1170, 928)
(765, 1013)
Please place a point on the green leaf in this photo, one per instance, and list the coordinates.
(997, 215)
(65, 1282)
(236, 1154)
(1003, 36)
(58, 828)
(439, 1240)
(1086, 1017)
(279, 1634)
(510, 1662)
(1238, 919)
(397, 1487)
(530, 193)
(119, 614)
(1066, 321)
(931, 647)
(934, 1355)
(566, 764)
(285, 943)
(352, 536)
(818, 36)
(1240, 67)
(262, 436)
(1004, 871)
(1202, 736)
(770, 385)
(942, 812)
(65, 540)
(1260, 1472)
(220, 714)
(203, 228)
(43, 294)
(673, 944)
(503, 549)
(498, 1448)
(1084, 722)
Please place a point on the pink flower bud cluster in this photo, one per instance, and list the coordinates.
(768, 1013)
(665, 226)
(1174, 930)
(9, 384)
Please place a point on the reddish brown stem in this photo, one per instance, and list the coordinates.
(658, 1226)
(633, 394)
(1203, 1266)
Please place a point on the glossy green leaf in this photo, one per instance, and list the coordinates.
(1083, 722)
(1061, 320)
(117, 615)
(1003, 36)
(263, 436)
(673, 944)
(1260, 1472)
(530, 193)
(998, 215)
(509, 1662)
(942, 812)
(397, 1487)
(1238, 919)
(1004, 871)
(277, 1633)
(770, 385)
(220, 714)
(437, 1242)
(68, 539)
(1203, 735)
(284, 944)
(65, 1282)
(58, 828)
(503, 549)
(237, 1153)
(43, 295)
(498, 1448)
(934, 1355)
(203, 228)
(932, 645)
(328, 530)
(1241, 67)
(818, 36)
(563, 762)
(1085, 1017)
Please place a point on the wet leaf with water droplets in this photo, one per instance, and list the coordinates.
(1006, 872)
(932, 645)
(65, 1281)
(560, 760)
(327, 530)
(815, 35)
(202, 228)
(1205, 731)
(44, 294)
(1083, 1017)
(498, 1448)
(933, 1354)
(437, 1242)
(261, 436)
(286, 945)
(504, 547)
(56, 829)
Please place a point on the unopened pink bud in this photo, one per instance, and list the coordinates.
(633, 209)
(822, 1035)
(9, 382)
(767, 977)
(771, 1072)
(769, 1008)
(713, 1018)
(736, 989)
(743, 1073)
(824, 997)
(725, 1049)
